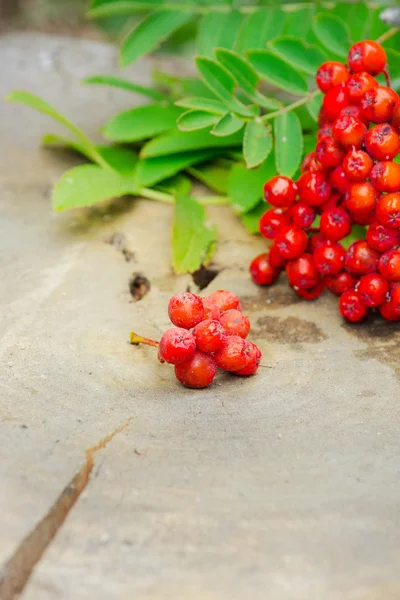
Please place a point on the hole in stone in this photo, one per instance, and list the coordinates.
(139, 286)
(204, 276)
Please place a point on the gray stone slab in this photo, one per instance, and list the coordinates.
(283, 486)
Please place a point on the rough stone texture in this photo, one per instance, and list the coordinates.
(283, 486)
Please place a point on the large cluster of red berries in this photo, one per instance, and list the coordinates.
(209, 332)
(349, 179)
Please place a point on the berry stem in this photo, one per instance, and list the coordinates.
(387, 35)
(169, 199)
(387, 76)
(139, 339)
(290, 107)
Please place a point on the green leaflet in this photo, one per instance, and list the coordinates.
(217, 30)
(87, 185)
(141, 123)
(298, 54)
(192, 120)
(258, 28)
(358, 17)
(298, 22)
(277, 72)
(52, 140)
(314, 106)
(180, 141)
(205, 104)
(257, 142)
(245, 186)
(193, 239)
(213, 175)
(332, 33)
(221, 82)
(150, 32)
(246, 77)
(124, 84)
(150, 171)
(227, 125)
(40, 105)
(251, 218)
(288, 143)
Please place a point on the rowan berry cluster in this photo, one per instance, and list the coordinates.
(350, 178)
(209, 333)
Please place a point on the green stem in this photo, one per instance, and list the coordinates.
(290, 107)
(169, 199)
(387, 35)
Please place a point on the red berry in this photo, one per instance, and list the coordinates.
(311, 293)
(367, 56)
(385, 176)
(382, 238)
(315, 242)
(280, 191)
(364, 218)
(253, 357)
(388, 311)
(329, 153)
(339, 283)
(334, 102)
(373, 289)
(351, 111)
(361, 197)
(389, 265)
(351, 307)
(324, 132)
(313, 188)
(276, 260)
(176, 345)
(225, 300)
(262, 271)
(377, 105)
(358, 84)
(349, 132)
(198, 372)
(232, 356)
(301, 215)
(185, 310)
(394, 296)
(272, 221)
(361, 259)
(291, 241)
(209, 336)
(382, 142)
(388, 210)
(331, 74)
(211, 310)
(235, 323)
(357, 165)
(335, 224)
(333, 202)
(301, 272)
(395, 122)
(329, 258)
(339, 180)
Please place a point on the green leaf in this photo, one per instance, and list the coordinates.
(87, 185)
(221, 82)
(180, 141)
(193, 239)
(288, 143)
(124, 84)
(141, 123)
(298, 54)
(52, 140)
(179, 184)
(245, 186)
(277, 72)
(205, 104)
(150, 33)
(214, 176)
(332, 33)
(258, 28)
(314, 106)
(41, 106)
(358, 18)
(227, 125)
(257, 142)
(217, 30)
(245, 76)
(193, 120)
(298, 21)
(252, 218)
(153, 170)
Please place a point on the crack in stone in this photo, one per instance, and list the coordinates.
(16, 572)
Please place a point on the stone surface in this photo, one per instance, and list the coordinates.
(283, 486)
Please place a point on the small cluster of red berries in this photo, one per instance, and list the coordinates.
(209, 332)
(350, 178)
